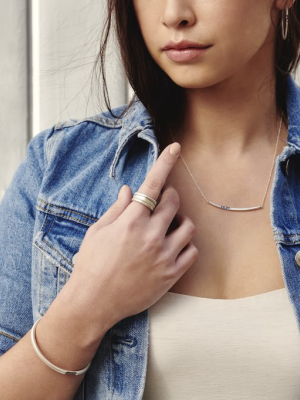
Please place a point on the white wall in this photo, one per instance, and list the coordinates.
(14, 116)
(66, 37)
(47, 51)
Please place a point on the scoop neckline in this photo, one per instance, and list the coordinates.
(265, 294)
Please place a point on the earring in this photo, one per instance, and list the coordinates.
(285, 30)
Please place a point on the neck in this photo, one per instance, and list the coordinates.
(231, 118)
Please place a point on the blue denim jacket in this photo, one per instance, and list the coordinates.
(71, 175)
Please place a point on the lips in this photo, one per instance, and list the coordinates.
(184, 44)
(185, 50)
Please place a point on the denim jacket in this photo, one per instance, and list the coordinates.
(71, 175)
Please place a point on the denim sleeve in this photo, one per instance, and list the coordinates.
(17, 217)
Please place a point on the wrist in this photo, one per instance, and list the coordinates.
(79, 315)
(49, 363)
(60, 344)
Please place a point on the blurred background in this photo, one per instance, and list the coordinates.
(48, 49)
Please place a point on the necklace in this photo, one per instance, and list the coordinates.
(234, 208)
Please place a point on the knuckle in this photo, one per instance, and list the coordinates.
(167, 261)
(191, 228)
(153, 238)
(166, 258)
(153, 241)
(153, 182)
(170, 273)
(195, 253)
(131, 224)
(173, 198)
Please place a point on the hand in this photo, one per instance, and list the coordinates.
(128, 260)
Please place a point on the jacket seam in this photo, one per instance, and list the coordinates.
(50, 144)
(45, 222)
(284, 242)
(66, 209)
(41, 284)
(64, 216)
(105, 122)
(9, 336)
(56, 251)
(294, 235)
(276, 233)
(56, 263)
(292, 204)
(50, 226)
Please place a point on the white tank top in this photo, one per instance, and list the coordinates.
(223, 349)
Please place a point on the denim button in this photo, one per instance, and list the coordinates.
(297, 258)
(75, 256)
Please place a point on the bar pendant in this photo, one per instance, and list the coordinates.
(234, 209)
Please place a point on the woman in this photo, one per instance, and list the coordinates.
(208, 248)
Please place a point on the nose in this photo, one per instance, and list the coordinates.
(177, 13)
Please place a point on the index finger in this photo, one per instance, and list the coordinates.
(156, 177)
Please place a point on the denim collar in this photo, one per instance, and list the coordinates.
(293, 111)
(138, 123)
(135, 123)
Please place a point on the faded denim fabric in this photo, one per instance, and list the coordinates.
(71, 175)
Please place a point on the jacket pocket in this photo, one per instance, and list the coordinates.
(55, 245)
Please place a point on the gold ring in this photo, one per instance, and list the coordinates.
(145, 200)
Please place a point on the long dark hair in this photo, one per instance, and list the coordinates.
(162, 98)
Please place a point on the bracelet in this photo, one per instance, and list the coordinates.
(47, 362)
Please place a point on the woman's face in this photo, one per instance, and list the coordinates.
(240, 32)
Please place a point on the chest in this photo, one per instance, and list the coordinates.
(238, 256)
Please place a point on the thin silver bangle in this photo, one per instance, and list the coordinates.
(47, 362)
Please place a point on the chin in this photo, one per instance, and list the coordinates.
(200, 79)
(188, 82)
(191, 85)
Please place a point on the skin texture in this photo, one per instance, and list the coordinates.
(237, 28)
(229, 76)
(228, 136)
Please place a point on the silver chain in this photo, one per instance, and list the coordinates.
(233, 208)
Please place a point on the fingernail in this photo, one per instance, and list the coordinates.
(122, 191)
(175, 149)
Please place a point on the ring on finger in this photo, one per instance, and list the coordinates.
(144, 199)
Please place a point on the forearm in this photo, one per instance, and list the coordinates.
(64, 340)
